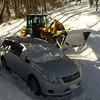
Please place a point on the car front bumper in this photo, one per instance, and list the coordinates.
(61, 89)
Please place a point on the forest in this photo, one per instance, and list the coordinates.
(13, 9)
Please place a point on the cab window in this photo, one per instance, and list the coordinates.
(16, 48)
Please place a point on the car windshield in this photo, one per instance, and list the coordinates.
(42, 53)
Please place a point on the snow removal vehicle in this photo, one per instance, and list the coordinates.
(56, 33)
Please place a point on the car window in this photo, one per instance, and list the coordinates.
(16, 48)
(6, 43)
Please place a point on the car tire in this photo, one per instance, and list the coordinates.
(4, 63)
(34, 85)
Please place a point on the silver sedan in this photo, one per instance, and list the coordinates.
(42, 65)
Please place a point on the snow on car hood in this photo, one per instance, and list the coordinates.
(43, 52)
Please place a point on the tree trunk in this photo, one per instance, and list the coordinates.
(8, 10)
(91, 3)
(2, 12)
(97, 5)
(44, 5)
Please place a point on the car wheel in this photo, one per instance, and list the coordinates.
(34, 85)
(4, 64)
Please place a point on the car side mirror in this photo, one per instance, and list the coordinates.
(27, 60)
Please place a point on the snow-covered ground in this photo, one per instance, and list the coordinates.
(76, 17)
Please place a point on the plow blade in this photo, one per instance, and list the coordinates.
(72, 39)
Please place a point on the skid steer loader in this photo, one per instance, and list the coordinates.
(56, 33)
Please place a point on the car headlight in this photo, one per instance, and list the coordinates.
(51, 79)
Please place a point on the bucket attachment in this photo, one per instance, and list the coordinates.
(72, 39)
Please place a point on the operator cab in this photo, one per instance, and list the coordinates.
(34, 24)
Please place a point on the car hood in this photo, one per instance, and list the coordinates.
(59, 67)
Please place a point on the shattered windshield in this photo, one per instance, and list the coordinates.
(42, 53)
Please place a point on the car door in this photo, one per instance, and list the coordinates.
(20, 66)
(12, 56)
(6, 52)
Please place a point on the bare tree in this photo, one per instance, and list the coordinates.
(97, 5)
(2, 12)
(8, 9)
(22, 7)
(91, 3)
